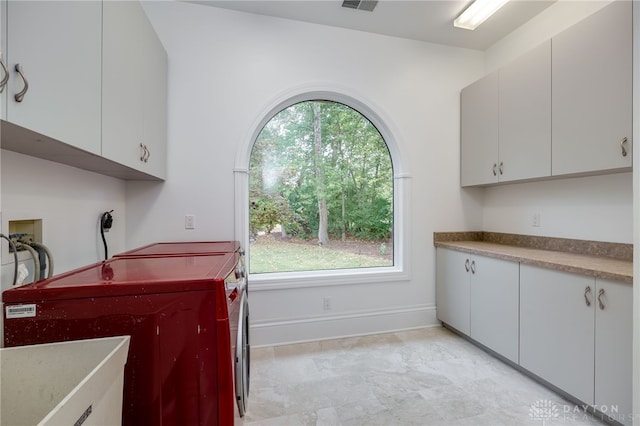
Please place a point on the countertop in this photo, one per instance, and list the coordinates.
(614, 267)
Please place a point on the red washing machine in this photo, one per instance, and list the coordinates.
(188, 318)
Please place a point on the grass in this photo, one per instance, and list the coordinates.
(269, 255)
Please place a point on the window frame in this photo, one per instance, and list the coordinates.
(401, 189)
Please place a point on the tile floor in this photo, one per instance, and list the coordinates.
(428, 376)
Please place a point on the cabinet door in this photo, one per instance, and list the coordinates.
(525, 116)
(154, 103)
(452, 288)
(122, 100)
(557, 328)
(494, 303)
(614, 340)
(134, 129)
(479, 132)
(58, 45)
(592, 105)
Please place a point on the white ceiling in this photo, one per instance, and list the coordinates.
(426, 20)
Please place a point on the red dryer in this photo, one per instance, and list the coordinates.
(187, 316)
(183, 248)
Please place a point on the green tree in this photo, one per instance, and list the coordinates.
(331, 166)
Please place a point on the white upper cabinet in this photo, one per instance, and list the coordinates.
(563, 108)
(592, 93)
(525, 116)
(479, 132)
(57, 46)
(154, 107)
(92, 87)
(135, 90)
(123, 54)
(506, 122)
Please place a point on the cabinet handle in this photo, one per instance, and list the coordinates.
(495, 173)
(20, 95)
(473, 267)
(600, 294)
(466, 265)
(586, 299)
(622, 147)
(5, 77)
(501, 168)
(144, 156)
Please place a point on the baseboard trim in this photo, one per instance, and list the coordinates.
(273, 333)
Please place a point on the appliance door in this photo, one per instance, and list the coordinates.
(242, 355)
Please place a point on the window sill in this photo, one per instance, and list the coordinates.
(304, 279)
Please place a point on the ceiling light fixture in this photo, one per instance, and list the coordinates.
(477, 13)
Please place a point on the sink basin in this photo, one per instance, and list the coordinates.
(71, 383)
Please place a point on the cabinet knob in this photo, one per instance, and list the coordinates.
(600, 294)
(473, 267)
(501, 168)
(495, 166)
(623, 142)
(20, 95)
(5, 76)
(586, 299)
(466, 265)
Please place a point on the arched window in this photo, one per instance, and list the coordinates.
(321, 192)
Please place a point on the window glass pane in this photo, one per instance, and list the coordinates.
(320, 191)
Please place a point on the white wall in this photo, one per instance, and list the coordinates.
(69, 201)
(226, 69)
(591, 208)
(598, 208)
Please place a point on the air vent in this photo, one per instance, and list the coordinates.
(367, 5)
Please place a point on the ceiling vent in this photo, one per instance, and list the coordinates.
(367, 5)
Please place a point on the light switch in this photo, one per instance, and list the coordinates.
(190, 221)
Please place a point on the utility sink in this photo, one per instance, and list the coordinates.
(67, 383)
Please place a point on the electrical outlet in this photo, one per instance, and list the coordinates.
(326, 303)
(535, 220)
(190, 221)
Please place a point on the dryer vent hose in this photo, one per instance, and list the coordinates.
(15, 258)
(34, 255)
(43, 251)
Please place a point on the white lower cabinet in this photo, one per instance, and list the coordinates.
(478, 296)
(452, 289)
(614, 341)
(494, 305)
(557, 328)
(572, 330)
(576, 333)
